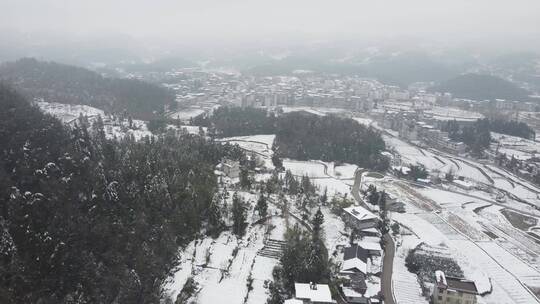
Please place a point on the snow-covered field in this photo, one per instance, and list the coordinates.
(222, 276)
(364, 121)
(518, 147)
(473, 171)
(313, 169)
(446, 113)
(462, 228)
(317, 111)
(406, 288)
(261, 144)
(186, 114)
(69, 114)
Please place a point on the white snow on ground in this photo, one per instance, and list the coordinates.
(68, 114)
(334, 186)
(262, 271)
(232, 288)
(506, 289)
(186, 114)
(261, 144)
(413, 155)
(406, 288)
(438, 162)
(363, 121)
(524, 272)
(333, 227)
(267, 139)
(336, 179)
(446, 198)
(313, 169)
(446, 113)
(422, 228)
(521, 148)
(317, 111)
(461, 230)
(343, 171)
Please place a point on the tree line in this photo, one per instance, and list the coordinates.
(303, 136)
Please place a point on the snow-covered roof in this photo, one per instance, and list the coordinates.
(355, 263)
(360, 213)
(370, 245)
(351, 293)
(372, 229)
(440, 278)
(463, 183)
(321, 292)
(293, 301)
(403, 169)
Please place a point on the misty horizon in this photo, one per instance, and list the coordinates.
(171, 25)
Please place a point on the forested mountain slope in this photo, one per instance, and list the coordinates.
(61, 83)
(481, 87)
(89, 220)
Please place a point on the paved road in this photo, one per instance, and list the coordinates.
(388, 264)
(355, 190)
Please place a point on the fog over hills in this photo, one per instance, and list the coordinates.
(269, 151)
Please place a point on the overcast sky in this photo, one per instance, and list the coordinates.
(188, 20)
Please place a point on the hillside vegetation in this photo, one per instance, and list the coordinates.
(90, 220)
(303, 136)
(482, 87)
(61, 83)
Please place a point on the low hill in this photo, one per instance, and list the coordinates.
(481, 87)
(90, 220)
(62, 83)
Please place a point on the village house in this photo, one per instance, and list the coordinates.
(231, 169)
(450, 290)
(359, 272)
(355, 260)
(360, 218)
(312, 293)
(354, 290)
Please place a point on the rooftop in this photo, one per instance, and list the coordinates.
(454, 283)
(360, 213)
(461, 284)
(313, 292)
(355, 251)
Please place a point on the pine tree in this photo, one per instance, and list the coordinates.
(262, 206)
(239, 215)
(277, 162)
(245, 179)
(317, 263)
(316, 225)
(215, 219)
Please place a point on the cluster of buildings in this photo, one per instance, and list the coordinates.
(361, 265)
(425, 124)
(195, 87)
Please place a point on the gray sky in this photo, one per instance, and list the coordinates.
(191, 20)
